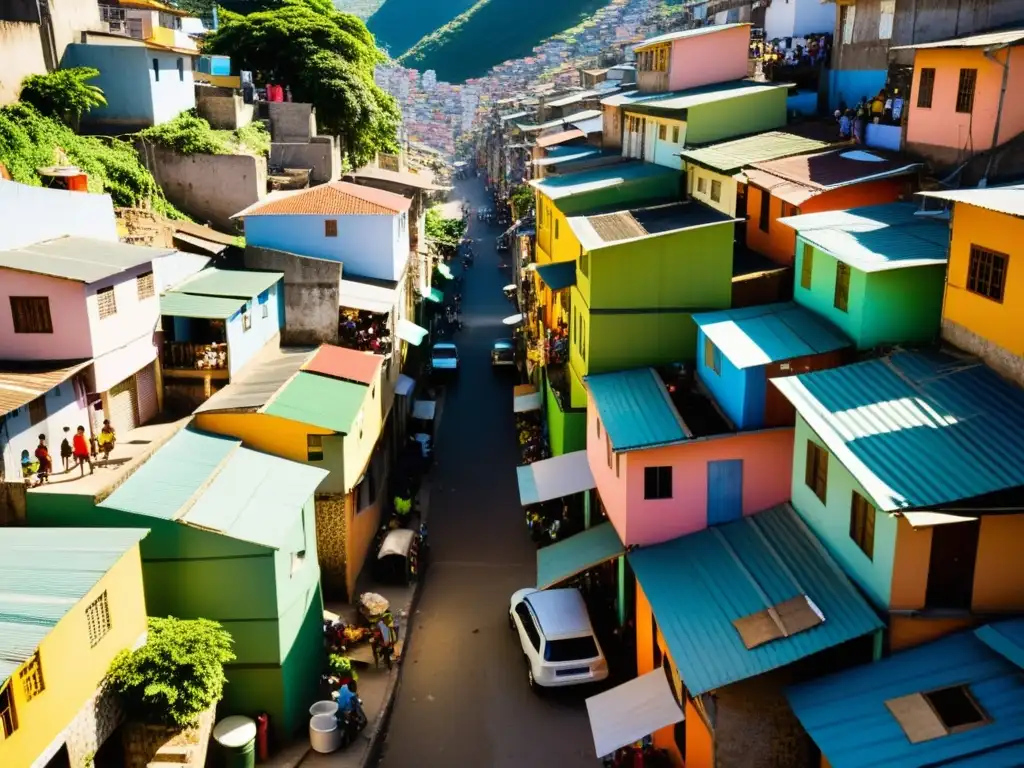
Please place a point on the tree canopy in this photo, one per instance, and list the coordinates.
(327, 58)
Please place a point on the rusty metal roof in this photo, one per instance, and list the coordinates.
(613, 227)
(21, 383)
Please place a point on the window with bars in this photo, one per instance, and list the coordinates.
(986, 273)
(862, 524)
(31, 678)
(31, 314)
(330, 228)
(662, 132)
(657, 482)
(965, 91)
(712, 357)
(807, 266)
(105, 303)
(314, 448)
(144, 286)
(841, 300)
(8, 720)
(37, 410)
(816, 470)
(926, 88)
(97, 619)
(716, 191)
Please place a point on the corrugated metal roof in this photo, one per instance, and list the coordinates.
(348, 364)
(1008, 199)
(338, 198)
(172, 476)
(598, 230)
(44, 573)
(756, 336)
(846, 716)
(515, 115)
(321, 401)
(1005, 638)
(572, 98)
(627, 97)
(573, 184)
(586, 114)
(635, 409)
(80, 258)
(561, 137)
(837, 168)
(186, 305)
(878, 237)
(688, 33)
(697, 585)
(580, 552)
(23, 382)
(899, 423)
(984, 40)
(708, 94)
(258, 380)
(569, 157)
(233, 283)
(731, 156)
(590, 126)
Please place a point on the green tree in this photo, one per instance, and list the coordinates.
(64, 95)
(522, 199)
(327, 58)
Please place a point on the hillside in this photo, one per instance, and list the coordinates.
(490, 32)
(364, 9)
(400, 24)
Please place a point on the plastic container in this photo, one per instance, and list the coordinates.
(324, 708)
(324, 734)
(236, 737)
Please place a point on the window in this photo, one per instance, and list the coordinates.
(105, 303)
(886, 11)
(675, 134)
(938, 713)
(181, 70)
(556, 229)
(144, 286)
(264, 300)
(8, 721)
(862, 524)
(925, 88)
(156, 70)
(598, 423)
(766, 199)
(330, 227)
(584, 263)
(965, 91)
(97, 619)
(657, 482)
(986, 273)
(314, 448)
(31, 677)
(848, 15)
(608, 451)
(37, 410)
(841, 300)
(712, 357)
(807, 266)
(528, 626)
(247, 316)
(716, 191)
(31, 314)
(816, 471)
(298, 560)
(616, 465)
(572, 649)
(702, 185)
(662, 132)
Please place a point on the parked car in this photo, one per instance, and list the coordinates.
(503, 352)
(444, 357)
(557, 637)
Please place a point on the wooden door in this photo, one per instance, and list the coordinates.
(954, 554)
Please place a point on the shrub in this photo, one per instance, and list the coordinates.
(189, 134)
(63, 95)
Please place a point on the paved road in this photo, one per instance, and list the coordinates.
(464, 700)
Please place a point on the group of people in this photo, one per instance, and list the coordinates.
(806, 51)
(886, 108)
(76, 449)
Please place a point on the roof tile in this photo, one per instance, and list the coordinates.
(348, 364)
(837, 168)
(339, 198)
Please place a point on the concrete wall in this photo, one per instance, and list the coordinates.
(224, 112)
(291, 122)
(126, 81)
(310, 294)
(322, 155)
(211, 188)
(45, 214)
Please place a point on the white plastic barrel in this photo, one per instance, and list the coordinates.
(324, 735)
(324, 708)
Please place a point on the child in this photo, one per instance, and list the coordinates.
(845, 126)
(65, 450)
(43, 457)
(80, 448)
(28, 467)
(107, 439)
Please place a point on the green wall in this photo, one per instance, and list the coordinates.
(720, 120)
(628, 193)
(567, 430)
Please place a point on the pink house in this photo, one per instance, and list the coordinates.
(693, 58)
(666, 463)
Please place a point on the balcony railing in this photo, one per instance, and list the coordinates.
(194, 356)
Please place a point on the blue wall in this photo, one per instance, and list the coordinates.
(243, 345)
(803, 103)
(124, 78)
(850, 85)
(738, 392)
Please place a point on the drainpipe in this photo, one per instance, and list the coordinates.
(989, 53)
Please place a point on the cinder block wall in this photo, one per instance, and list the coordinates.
(311, 289)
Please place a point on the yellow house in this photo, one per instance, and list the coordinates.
(71, 600)
(324, 410)
(983, 309)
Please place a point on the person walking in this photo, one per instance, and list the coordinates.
(66, 451)
(80, 449)
(107, 439)
(45, 462)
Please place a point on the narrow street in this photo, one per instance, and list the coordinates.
(464, 700)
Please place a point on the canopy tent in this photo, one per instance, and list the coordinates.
(409, 332)
(431, 294)
(424, 409)
(515, 319)
(631, 711)
(555, 477)
(576, 554)
(405, 385)
(531, 402)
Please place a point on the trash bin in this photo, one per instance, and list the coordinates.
(324, 734)
(324, 708)
(236, 737)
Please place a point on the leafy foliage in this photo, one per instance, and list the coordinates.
(327, 57)
(399, 24)
(522, 199)
(342, 666)
(65, 94)
(177, 674)
(29, 141)
(445, 233)
(189, 134)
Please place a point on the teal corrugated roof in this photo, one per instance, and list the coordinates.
(635, 409)
(877, 237)
(1005, 638)
(187, 305)
(172, 476)
(319, 400)
(44, 573)
(576, 554)
(572, 184)
(731, 156)
(756, 336)
(233, 283)
(846, 716)
(900, 423)
(561, 274)
(697, 585)
(255, 498)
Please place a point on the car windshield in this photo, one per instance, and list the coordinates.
(445, 353)
(573, 649)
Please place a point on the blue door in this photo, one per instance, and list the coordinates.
(725, 491)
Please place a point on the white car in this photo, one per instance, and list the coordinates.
(557, 637)
(444, 357)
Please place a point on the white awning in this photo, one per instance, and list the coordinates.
(513, 319)
(424, 409)
(397, 542)
(531, 402)
(554, 478)
(631, 711)
(445, 270)
(370, 298)
(593, 125)
(409, 332)
(405, 385)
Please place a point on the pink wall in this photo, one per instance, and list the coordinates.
(716, 57)
(70, 339)
(611, 488)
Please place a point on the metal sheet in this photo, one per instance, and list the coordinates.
(555, 477)
(585, 550)
(635, 409)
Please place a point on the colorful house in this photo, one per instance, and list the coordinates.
(983, 310)
(692, 58)
(739, 350)
(954, 701)
(828, 181)
(903, 466)
(666, 463)
(72, 600)
(324, 410)
(876, 273)
(733, 614)
(957, 98)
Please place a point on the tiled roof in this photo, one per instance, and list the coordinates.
(80, 258)
(339, 198)
(730, 156)
(1008, 199)
(837, 168)
(635, 410)
(320, 401)
(348, 364)
(687, 33)
(22, 382)
(561, 137)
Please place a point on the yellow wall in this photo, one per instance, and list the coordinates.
(726, 201)
(1000, 323)
(72, 670)
(564, 247)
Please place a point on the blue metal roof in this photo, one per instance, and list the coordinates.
(635, 409)
(899, 423)
(755, 336)
(877, 237)
(580, 552)
(697, 585)
(1005, 638)
(572, 184)
(561, 274)
(846, 715)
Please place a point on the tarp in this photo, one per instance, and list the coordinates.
(397, 542)
(631, 711)
(531, 402)
(576, 554)
(409, 332)
(405, 385)
(555, 477)
(424, 409)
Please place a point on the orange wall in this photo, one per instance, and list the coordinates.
(998, 577)
(910, 566)
(361, 528)
(700, 749)
(908, 631)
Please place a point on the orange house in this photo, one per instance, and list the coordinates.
(827, 181)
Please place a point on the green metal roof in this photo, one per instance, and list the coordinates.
(730, 156)
(319, 400)
(45, 572)
(576, 554)
(635, 410)
(233, 283)
(559, 275)
(698, 585)
(572, 184)
(211, 307)
(696, 97)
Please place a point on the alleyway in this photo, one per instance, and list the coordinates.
(464, 700)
